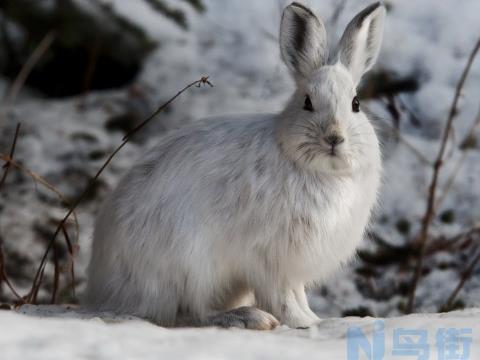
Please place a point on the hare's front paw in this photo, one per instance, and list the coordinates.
(246, 317)
(289, 305)
(300, 321)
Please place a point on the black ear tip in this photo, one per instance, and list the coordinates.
(375, 6)
(368, 11)
(301, 6)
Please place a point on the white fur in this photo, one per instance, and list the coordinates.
(360, 44)
(302, 62)
(241, 205)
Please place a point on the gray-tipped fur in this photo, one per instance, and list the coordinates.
(360, 44)
(303, 40)
(227, 221)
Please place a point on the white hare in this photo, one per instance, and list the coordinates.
(226, 222)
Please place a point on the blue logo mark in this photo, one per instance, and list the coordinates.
(450, 343)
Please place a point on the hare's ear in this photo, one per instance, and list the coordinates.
(360, 44)
(303, 41)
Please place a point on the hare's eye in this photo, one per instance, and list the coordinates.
(308, 104)
(356, 104)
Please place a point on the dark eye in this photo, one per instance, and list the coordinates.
(356, 104)
(308, 104)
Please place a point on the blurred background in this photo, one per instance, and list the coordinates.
(80, 74)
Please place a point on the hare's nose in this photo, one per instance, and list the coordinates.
(334, 139)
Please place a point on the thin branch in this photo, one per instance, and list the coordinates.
(421, 157)
(458, 241)
(430, 209)
(467, 274)
(6, 166)
(414, 119)
(38, 179)
(35, 292)
(4, 277)
(458, 165)
(90, 70)
(27, 68)
(71, 253)
(39, 274)
(204, 80)
(56, 275)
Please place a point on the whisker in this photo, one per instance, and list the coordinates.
(304, 127)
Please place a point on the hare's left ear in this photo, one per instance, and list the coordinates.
(303, 41)
(360, 44)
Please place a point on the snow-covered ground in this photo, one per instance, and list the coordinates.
(235, 42)
(48, 333)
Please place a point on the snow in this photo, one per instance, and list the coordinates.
(235, 42)
(60, 333)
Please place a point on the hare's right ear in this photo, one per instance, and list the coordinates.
(360, 44)
(303, 41)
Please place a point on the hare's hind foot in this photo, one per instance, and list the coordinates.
(246, 317)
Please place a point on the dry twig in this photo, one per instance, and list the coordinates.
(464, 278)
(4, 277)
(56, 275)
(3, 274)
(38, 179)
(27, 68)
(39, 274)
(420, 156)
(203, 81)
(8, 159)
(71, 266)
(6, 166)
(458, 166)
(460, 241)
(430, 210)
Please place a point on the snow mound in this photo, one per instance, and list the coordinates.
(53, 332)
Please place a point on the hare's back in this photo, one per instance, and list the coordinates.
(192, 175)
(197, 160)
(211, 143)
